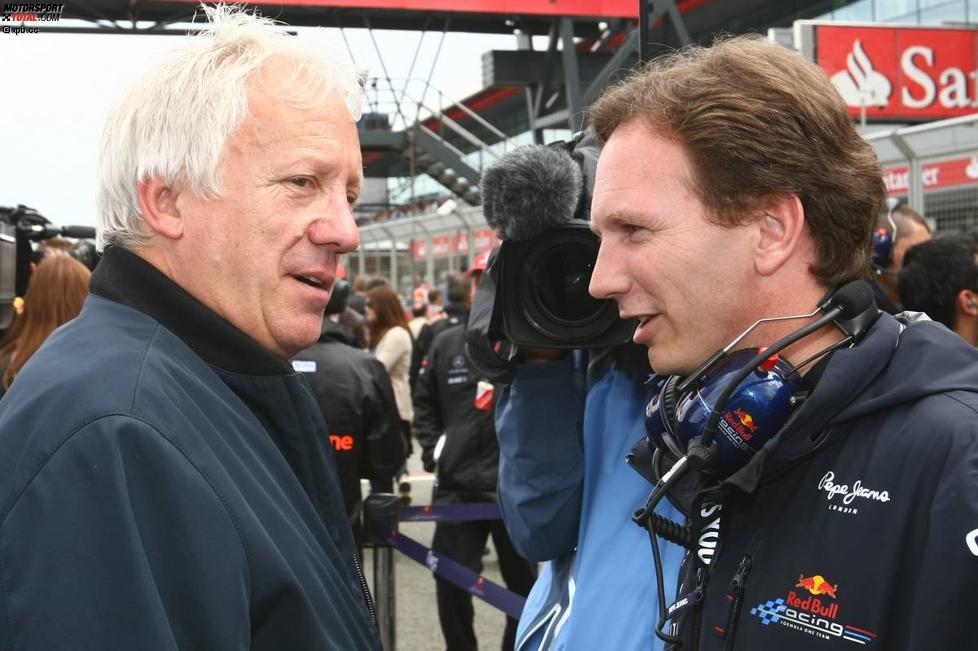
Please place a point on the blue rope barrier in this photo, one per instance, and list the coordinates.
(452, 571)
(450, 513)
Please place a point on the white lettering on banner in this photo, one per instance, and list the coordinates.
(849, 494)
(954, 93)
(953, 82)
(919, 76)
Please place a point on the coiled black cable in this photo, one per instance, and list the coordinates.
(681, 534)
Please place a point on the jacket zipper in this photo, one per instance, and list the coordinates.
(363, 587)
(698, 613)
(702, 573)
(737, 592)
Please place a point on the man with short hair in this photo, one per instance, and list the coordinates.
(733, 187)
(899, 228)
(455, 311)
(165, 477)
(940, 277)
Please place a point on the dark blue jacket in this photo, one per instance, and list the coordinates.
(169, 487)
(857, 525)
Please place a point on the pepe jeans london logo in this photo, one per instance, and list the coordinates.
(842, 497)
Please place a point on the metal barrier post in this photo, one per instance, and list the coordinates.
(383, 508)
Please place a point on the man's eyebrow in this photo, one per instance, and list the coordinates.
(616, 218)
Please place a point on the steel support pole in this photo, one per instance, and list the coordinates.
(572, 80)
(383, 509)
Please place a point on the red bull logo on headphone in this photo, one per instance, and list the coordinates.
(739, 425)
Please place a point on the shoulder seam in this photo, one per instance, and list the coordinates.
(961, 402)
(142, 365)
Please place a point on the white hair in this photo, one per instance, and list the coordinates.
(174, 123)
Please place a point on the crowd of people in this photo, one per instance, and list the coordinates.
(412, 209)
(185, 430)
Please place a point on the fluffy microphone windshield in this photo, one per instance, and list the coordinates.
(529, 190)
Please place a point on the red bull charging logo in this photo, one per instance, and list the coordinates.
(739, 426)
(817, 585)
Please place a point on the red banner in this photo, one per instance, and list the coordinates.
(942, 174)
(447, 245)
(901, 73)
(583, 8)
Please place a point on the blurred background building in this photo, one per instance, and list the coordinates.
(907, 68)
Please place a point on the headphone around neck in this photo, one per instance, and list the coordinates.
(883, 241)
(755, 411)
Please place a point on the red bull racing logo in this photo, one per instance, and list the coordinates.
(739, 427)
(813, 611)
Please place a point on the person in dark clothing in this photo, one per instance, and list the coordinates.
(166, 480)
(733, 188)
(899, 228)
(940, 278)
(357, 401)
(454, 314)
(345, 322)
(454, 425)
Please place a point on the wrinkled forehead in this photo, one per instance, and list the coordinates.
(294, 82)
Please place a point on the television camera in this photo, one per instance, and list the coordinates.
(20, 229)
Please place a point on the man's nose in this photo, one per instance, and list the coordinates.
(607, 281)
(337, 229)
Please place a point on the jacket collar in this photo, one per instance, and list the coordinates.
(124, 277)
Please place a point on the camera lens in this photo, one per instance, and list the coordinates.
(553, 287)
(560, 282)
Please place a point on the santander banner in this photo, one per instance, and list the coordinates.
(901, 73)
(935, 176)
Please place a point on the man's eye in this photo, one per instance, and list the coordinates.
(300, 181)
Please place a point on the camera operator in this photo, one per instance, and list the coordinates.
(734, 187)
(28, 238)
(454, 424)
(567, 421)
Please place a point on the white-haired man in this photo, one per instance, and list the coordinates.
(165, 481)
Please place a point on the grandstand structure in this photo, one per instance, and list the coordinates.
(411, 130)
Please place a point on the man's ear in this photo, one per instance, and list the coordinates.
(968, 302)
(158, 203)
(779, 232)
